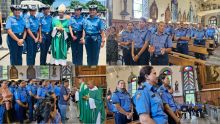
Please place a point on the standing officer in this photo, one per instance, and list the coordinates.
(45, 34)
(140, 41)
(122, 102)
(199, 39)
(94, 35)
(32, 25)
(43, 90)
(125, 42)
(77, 34)
(160, 46)
(169, 103)
(181, 35)
(32, 94)
(21, 101)
(15, 26)
(147, 101)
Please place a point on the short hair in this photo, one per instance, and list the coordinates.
(120, 81)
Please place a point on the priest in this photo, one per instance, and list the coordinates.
(59, 37)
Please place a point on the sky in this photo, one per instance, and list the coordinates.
(67, 2)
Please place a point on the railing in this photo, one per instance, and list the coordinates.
(213, 113)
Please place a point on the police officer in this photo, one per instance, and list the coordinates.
(148, 102)
(32, 95)
(32, 25)
(152, 26)
(125, 43)
(169, 29)
(210, 32)
(160, 46)
(181, 35)
(199, 37)
(140, 41)
(94, 35)
(169, 103)
(45, 34)
(43, 90)
(15, 26)
(21, 101)
(77, 36)
(123, 111)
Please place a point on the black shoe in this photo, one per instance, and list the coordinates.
(67, 119)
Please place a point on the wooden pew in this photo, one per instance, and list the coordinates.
(210, 44)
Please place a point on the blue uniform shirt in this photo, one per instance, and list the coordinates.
(46, 23)
(57, 91)
(93, 25)
(160, 41)
(21, 94)
(210, 32)
(76, 23)
(25, 16)
(199, 34)
(123, 99)
(140, 36)
(17, 25)
(182, 32)
(127, 36)
(32, 88)
(40, 14)
(168, 30)
(148, 101)
(42, 91)
(167, 98)
(33, 23)
(153, 29)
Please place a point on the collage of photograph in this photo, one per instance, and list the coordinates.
(110, 62)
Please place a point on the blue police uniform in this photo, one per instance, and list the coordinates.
(140, 36)
(124, 100)
(199, 40)
(159, 42)
(17, 25)
(210, 33)
(126, 36)
(46, 28)
(153, 28)
(40, 14)
(42, 92)
(93, 39)
(25, 17)
(57, 91)
(20, 94)
(33, 23)
(77, 48)
(169, 30)
(182, 46)
(148, 101)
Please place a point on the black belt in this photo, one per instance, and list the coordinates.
(158, 56)
(46, 32)
(77, 32)
(18, 34)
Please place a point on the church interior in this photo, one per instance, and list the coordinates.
(172, 11)
(191, 84)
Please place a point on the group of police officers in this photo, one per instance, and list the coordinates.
(27, 30)
(27, 96)
(152, 41)
(153, 102)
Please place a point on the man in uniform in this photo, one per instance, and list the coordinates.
(45, 34)
(123, 104)
(160, 46)
(15, 26)
(181, 35)
(77, 36)
(21, 101)
(94, 35)
(32, 25)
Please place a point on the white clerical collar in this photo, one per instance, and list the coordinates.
(62, 18)
(94, 88)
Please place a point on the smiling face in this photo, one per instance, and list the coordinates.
(121, 85)
(17, 12)
(92, 12)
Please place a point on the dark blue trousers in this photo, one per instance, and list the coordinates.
(160, 59)
(93, 44)
(120, 118)
(44, 47)
(127, 56)
(15, 50)
(77, 50)
(31, 49)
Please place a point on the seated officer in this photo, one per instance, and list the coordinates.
(94, 35)
(199, 37)
(122, 101)
(21, 101)
(182, 35)
(32, 25)
(160, 46)
(140, 41)
(169, 103)
(148, 102)
(210, 32)
(77, 34)
(125, 42)
(15, 26)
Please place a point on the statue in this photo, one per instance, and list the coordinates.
(54, 71)
(13, 72)
(167, 14)
(31, 74)
(176, 86)
(154, 11)
(124, 12)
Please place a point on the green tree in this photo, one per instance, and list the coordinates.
(49, 2)
(100, 6)
(76, 2)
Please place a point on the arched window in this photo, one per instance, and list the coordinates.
(3, 72)
(189, 84)
(213, 20)
(132, 84)
(137, 8)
